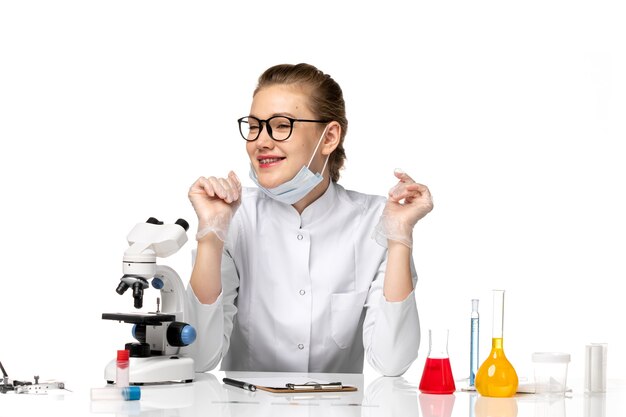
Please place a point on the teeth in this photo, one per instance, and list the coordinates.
(269, 160)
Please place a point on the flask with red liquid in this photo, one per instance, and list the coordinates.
(437, 376)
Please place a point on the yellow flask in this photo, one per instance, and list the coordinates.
(496, 377)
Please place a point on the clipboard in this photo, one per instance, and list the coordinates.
(309, 387)
(299, 385)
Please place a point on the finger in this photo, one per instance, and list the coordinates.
(413, 186)
(421, 189)
(409, 192)
(399, 189)
(235, 183)
(235, 178)
(197, 184)
(420, 194)
(232, 188)
(228, 188)
(201, 186)
(418, 187)
(218, 188)
(403, 195)
(193, 187)
(402, 176)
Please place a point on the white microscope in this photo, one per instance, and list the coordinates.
(155, 357)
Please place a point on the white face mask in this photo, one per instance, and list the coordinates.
(295, 189)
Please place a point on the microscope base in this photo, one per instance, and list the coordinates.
(155, 370)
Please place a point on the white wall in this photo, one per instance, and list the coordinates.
(511, 112)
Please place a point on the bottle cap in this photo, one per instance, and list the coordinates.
(551, 357)
(132, 393)
(123, 355)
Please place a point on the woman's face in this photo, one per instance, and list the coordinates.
(278, 162)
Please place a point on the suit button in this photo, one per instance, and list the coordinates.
(302, 292)
(300, 346)
(300, 237)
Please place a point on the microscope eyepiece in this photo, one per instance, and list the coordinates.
(183, 223)
(121, 289)
(138, 294)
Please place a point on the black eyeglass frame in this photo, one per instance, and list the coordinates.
(269, 128)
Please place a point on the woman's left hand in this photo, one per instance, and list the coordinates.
(408, 202)
(417, 200)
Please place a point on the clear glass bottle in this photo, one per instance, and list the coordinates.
(437, 375)
(496, 376)
(474, 336)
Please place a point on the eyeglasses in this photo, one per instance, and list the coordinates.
(278, 127)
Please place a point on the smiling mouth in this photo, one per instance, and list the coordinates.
(266, 161)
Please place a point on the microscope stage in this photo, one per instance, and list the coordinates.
(154, 319)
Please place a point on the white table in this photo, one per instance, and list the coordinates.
(208, 396)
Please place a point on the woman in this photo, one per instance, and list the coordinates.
(287, 276)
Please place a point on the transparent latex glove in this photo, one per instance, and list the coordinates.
(215, 201)
(408, 202)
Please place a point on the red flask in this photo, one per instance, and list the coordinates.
(437, 376)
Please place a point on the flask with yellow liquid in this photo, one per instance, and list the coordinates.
(496, 377)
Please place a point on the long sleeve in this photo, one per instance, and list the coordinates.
(213, 322)
(300, 294)
(391, 330)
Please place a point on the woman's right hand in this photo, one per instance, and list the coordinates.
(215, 201)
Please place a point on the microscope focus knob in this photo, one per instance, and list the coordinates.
(138, 350)
(180, 334)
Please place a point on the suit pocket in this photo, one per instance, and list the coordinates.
(346, 310)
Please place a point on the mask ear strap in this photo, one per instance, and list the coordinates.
(325, 163)
(315, 150)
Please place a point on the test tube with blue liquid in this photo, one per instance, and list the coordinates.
(474, 342)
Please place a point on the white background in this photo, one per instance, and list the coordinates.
(511, 112)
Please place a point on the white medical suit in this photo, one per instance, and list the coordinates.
(304, 293)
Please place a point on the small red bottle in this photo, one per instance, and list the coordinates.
(437, 376)
(122, 371)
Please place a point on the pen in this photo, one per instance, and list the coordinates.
(239, 384)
